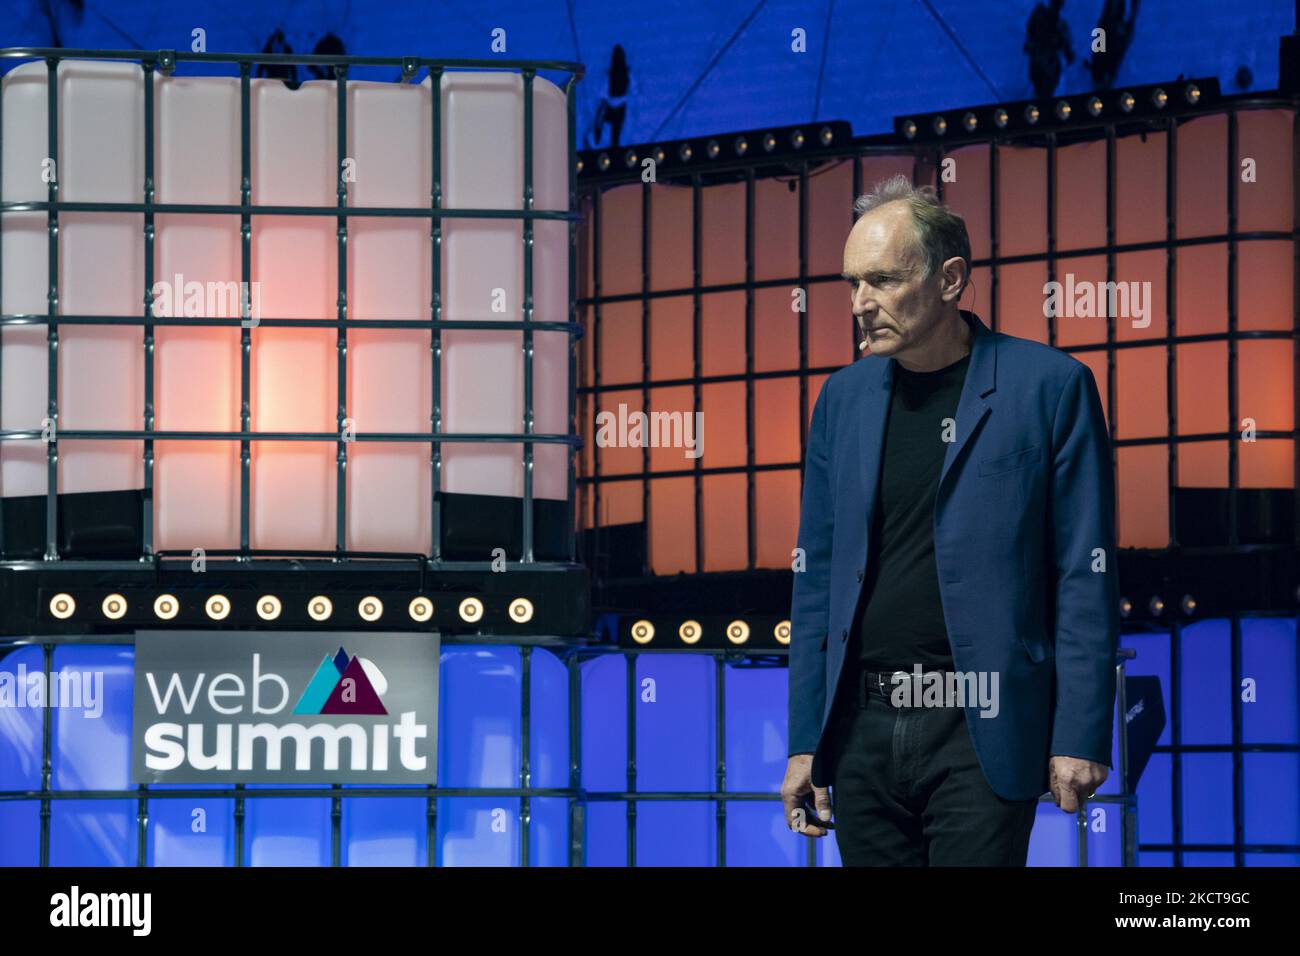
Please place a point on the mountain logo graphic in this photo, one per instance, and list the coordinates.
(343, 685)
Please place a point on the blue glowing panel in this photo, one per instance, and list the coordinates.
(1208, 859)
(479, 711)
(20, 833)
(93, 833)
(1207, 798)
(827, 850)
(92, 746)
(1152, 661)
(675, 722)
(756, 731)
(478, 831)
(1205, 687)
(604, 724)
(1155, 859)
(549, 713)
(606, 835)
(21, 726)
(189, 831)
(1271, 798)
(384, 831)
(1268, 656)
(1105, 834)
(677, 833)
(757, 836)
(1156, 801)
(286, 831)
(1054, 841)
(1273, 859)
(548, 837)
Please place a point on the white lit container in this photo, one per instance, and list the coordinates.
(294, 268)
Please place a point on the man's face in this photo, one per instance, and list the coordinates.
(894, 305)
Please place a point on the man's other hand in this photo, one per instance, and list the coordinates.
(797, 784)
(1073, 780)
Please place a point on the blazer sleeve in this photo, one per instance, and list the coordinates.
(809, 605)
(1086, 591)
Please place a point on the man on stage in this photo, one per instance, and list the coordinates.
(954, 619)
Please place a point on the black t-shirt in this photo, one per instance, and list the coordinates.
(899, 617)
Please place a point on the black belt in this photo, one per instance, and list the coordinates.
(881, 685)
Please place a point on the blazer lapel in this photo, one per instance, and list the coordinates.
(981, 379)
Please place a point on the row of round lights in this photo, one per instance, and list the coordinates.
(1127, 101)
(712, 149)
(319, 608)
(690, 632)
(1156, 606)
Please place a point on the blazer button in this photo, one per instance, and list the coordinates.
(859, 574)
(844, 634)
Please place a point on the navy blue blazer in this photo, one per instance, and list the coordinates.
(1024, 545)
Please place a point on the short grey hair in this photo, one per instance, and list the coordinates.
(940, 232)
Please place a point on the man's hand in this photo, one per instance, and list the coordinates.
(1073, 780)
(797, 784)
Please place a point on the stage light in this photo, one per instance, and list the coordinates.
(603, 162)
(63, 606)
(1127, 101)
(521, 610)
(782, 632)
(713, 149)
(1156, 605)
(629, 158)
(738, 632)
(1031, 113)
(684, 152)
(166, 606)
(1000, 118)
(1159, 97)
(826, 135)
(320, 608)
(1063, 110)
(1095, 105)
(579, 164)
(643, 632)
(370, 608)
(769, 142)
(970, 122)
(1192, 93)
(114, 607)
(1125, 607)
(217, 607)
(268, 607)
(690, 632)
(939, 125)
(909, 129)
(420, 609)
(659, 154)
(797, 139)
(471, 609)
(742, 145)
(1189, 605)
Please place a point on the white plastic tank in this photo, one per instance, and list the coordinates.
(293, 372)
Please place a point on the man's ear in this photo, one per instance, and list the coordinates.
(955, 273)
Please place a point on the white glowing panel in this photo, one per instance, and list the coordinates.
(294, 267)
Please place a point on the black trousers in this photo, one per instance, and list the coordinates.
(907, 788)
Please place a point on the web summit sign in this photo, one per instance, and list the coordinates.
(234, 707)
